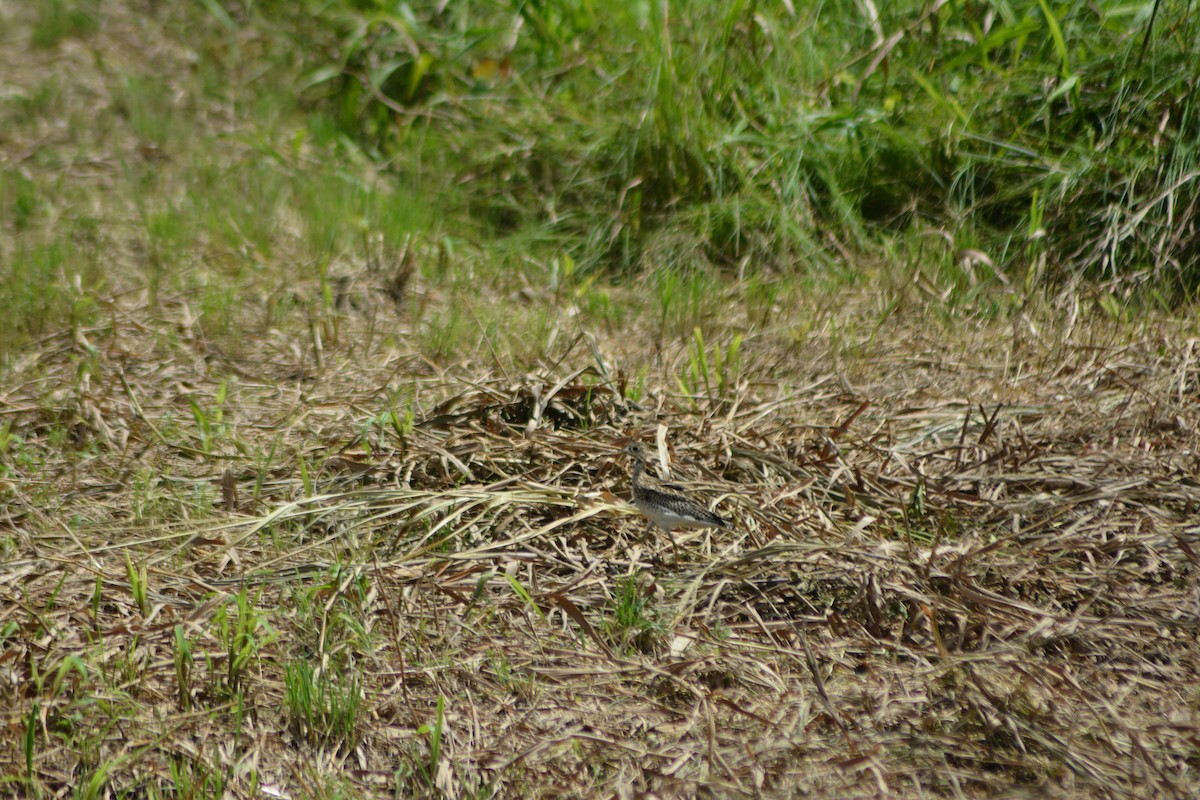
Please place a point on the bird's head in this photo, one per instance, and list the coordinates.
(635, 449)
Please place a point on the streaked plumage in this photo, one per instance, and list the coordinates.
(665, 505)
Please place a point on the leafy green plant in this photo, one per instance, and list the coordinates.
(684, 298)
(265, 463)
(244, 633)
(434, 733)
(397, 420)
(34, 296)
(321, 709)
(183, 668)
(194, 779)
(138, 584)
(523, 593)
(61, 19)
(632, 622)
(210, 423)
(29, 745)
(306, 479)
(760, 294)
(8, 439)
(444, 335)
(418, 771)
(634, 390)
(629, 611)
(714, 374)
(520, 685)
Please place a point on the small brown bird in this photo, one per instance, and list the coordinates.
(666, 505)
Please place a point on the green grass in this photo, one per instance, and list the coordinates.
(633, 623)
(727, 132)
(60, 19)
(322, 708)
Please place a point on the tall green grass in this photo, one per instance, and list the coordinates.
(749, 131)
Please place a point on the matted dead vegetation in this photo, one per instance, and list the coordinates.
(963, 565)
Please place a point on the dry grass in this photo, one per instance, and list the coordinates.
(962, 565)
